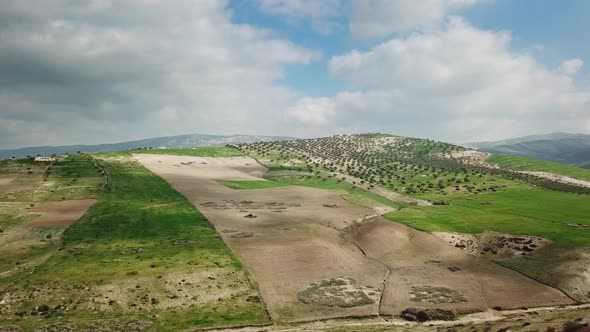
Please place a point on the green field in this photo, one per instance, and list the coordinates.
(519, 209)
(529, 164)
(140, 231)
(76, 177)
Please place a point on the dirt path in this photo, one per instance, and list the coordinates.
(554, 316)
(558, 178)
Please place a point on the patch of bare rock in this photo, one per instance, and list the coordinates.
(492, 243)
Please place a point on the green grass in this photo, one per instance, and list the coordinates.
(529, 164)
(251, 184)
(282, 181)
(520, 209)
(140, 210)
(76, 177)
(354, 193)
(208, 151)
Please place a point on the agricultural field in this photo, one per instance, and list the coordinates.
(38, 200)
(274, 220)
(142, 257)
(535, 225)
(343, 233)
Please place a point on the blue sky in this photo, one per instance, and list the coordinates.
(455, 70)
(551, 30)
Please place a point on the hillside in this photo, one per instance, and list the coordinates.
(181, 141)
(571, 149)
(372, 228)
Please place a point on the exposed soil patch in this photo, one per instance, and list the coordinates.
(494, 244)
(9, 185)
(248, 205)
(420, 273)
(6, 180)
(60, 213)
(338, 292)
(436, 295)
(131, 295)
(558, 178)
(242, 234)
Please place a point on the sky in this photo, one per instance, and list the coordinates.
(101, 71)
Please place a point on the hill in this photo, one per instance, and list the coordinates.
(266, 235)
(571, 149)
(181, 141)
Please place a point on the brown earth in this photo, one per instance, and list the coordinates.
(60, 213)
(299, 239)
(8, 185)
(427, 272)
(295, 239)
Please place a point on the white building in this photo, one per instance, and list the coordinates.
(44, 159)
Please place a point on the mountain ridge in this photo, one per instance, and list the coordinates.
(178, 141)
(570, 149)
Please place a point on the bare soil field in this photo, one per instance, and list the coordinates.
(286, 236)
(60, 213)
(427, 272)
(6, 180)
(310, 263)
(8, 185)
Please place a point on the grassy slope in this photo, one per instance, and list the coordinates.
(529, 164)
(142, 210)
(77, 177)
(519, 209)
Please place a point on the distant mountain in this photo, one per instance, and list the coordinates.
(571, 149)
(182, 141)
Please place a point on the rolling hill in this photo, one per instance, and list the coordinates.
(371, 228)
(182, 141)
(571, 149)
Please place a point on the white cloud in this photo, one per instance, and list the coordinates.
(106, 72)
(458, 83)
(571, 67)
(312, 111)
(320, 13)
(379, 18)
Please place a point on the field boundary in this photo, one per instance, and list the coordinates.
(539, 281)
